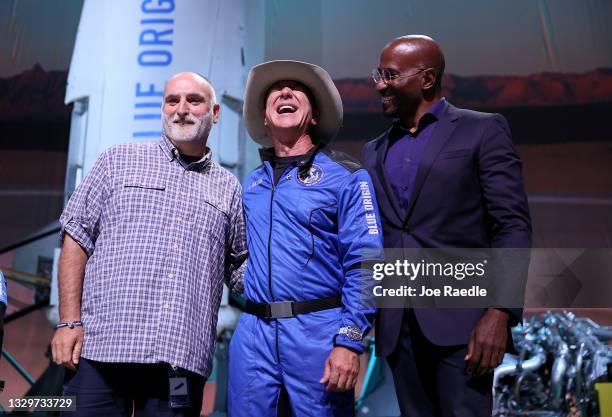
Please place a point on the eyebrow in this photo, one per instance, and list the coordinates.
(392, 70)
(196, 96)
(192, 96)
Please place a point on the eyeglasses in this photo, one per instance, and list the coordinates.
(383, 75)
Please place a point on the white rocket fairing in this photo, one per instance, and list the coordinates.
(124, 52)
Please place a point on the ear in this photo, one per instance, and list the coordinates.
(265, 119)
(315, 117)
(428, 79)
(216, 112)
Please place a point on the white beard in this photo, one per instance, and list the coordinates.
(198, 131)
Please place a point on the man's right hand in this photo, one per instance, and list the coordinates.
(66, 346)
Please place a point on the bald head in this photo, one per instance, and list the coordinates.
(409, 77)
(189, 111)
(418, 51)
(193, 76)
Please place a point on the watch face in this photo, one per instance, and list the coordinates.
(353, 333)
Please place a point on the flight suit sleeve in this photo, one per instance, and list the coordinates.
(360, 244)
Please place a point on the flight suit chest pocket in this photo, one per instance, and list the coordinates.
(318, 225)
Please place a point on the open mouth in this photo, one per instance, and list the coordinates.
(286, 108)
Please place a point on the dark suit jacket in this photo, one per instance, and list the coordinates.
(468, 193)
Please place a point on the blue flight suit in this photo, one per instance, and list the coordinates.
(308, 238)
(3, 302)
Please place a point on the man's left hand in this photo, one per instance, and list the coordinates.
(341, 370)
(487, 343)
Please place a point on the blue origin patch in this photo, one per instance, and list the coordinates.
(368, 206)
(312, 177)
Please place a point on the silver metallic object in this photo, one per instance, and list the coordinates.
(352, 332)
(561, 357)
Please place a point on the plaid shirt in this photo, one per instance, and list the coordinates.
(161, 236)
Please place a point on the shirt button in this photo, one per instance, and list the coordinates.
(174, 247)
(166, 306)
(170, 276)
(179, 219)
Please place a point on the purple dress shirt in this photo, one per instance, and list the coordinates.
(405, 151)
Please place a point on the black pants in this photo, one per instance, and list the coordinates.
(431, 381)
(117, 390)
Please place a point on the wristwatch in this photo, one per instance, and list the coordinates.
(352, 332)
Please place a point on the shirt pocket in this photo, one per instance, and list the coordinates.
(209, 221)
(145, 184)
(142, 200)
(212, 223)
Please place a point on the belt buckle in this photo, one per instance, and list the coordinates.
(281, 309)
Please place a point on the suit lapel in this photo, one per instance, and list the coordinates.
(382, 175)
(442, 132)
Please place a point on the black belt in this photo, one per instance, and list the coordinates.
(281, 309)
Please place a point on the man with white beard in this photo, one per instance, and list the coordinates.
(147, 240)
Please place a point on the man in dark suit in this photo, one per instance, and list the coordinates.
(444, 177)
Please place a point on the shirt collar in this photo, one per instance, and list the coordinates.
(172, 153)
(432, 115)
(437, 108)
(304, 163)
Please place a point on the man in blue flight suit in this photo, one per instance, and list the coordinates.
(312, 229)
(3, 301)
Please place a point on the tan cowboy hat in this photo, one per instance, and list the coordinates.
(316, 79)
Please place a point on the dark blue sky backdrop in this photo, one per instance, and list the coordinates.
(34, 31)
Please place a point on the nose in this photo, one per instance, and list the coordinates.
(381, 86)
(286, 92)
(183, 108)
